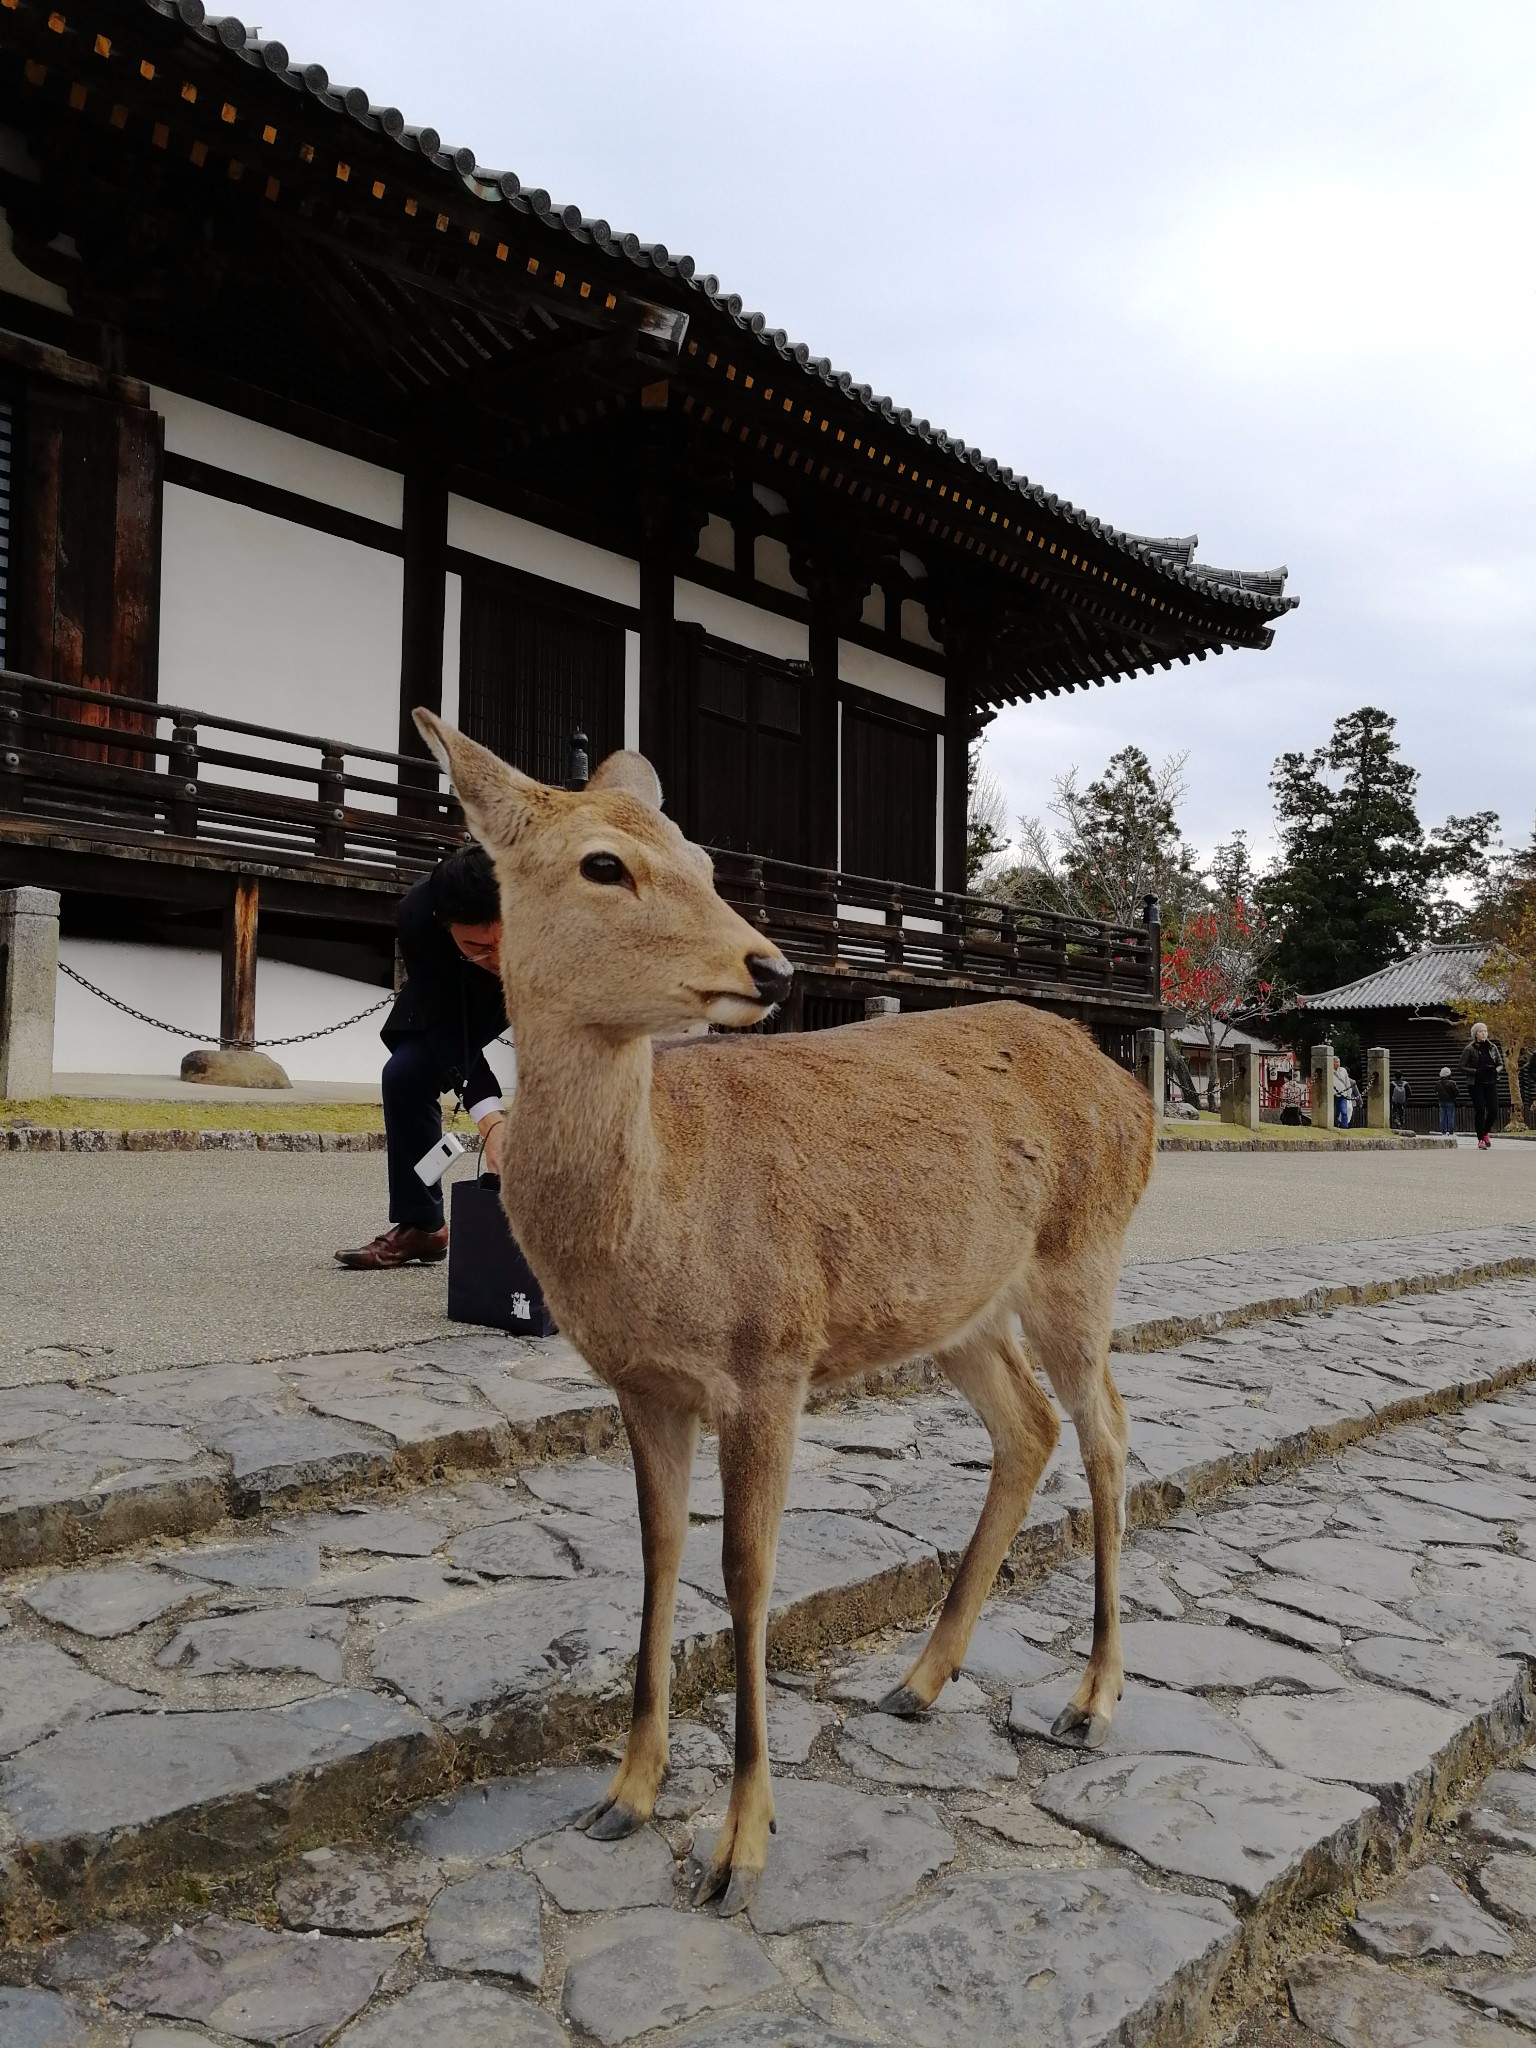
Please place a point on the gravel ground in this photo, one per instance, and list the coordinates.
(118, 1262)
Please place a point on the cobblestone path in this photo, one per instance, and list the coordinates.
(237, 1762)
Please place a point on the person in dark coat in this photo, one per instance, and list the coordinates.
(450, 1007)
(1482, 1063)
(1448, 1100)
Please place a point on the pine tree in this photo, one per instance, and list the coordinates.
(1359, 881)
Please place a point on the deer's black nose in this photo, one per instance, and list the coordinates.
(771, 976)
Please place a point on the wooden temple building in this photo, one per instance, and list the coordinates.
(307, 417)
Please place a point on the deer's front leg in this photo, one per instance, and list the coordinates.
(661, 1440)
(756, 1448)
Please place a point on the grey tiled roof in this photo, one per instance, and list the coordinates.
(1429, 979)
(1262, 591)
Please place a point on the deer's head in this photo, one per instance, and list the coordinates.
(610, 920)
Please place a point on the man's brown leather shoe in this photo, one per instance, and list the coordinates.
(403, 1244)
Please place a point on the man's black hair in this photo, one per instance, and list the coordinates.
(463, 888)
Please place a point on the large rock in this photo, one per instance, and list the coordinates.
(1005, 1647)
(1352, 1566)
(1512, 1991)
(1346, 1610)
(949, 1753)
(1426, 1913)
(1472, 1681)
(376, 1532)
(93, 1957)
(225, 1067)
(1367, 1736)
(524, 1643)
(844, 1856)
(42, 1692)
(1362, 2005)
(354, 1891)
(262, 1986)
(519, 1549)
(1482, 1594)
(489, 1925)
(108, 1600)
(132, 1770)
(277, 1564)
(1062, 1959)
(866, 1681)
(1148, 1720)
(1240, 1825)
(450, 2015)
(305, 1639)
(584, 1876)
(654, 1968)
(39, 2019)
(280, 1454)
(1506, 1811)
(1508, 1883)
(494, 1819)
(1198, 1659)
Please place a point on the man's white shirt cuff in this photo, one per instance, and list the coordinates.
(489, 1107)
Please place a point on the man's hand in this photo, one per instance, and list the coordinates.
(490, 1134)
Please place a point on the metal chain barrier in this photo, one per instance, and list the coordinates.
(204, 1037)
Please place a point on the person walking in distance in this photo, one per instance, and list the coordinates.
(449, 1008)
(1482, 1063)
(1448, 1101)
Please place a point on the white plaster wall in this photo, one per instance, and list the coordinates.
(729, 618)
(632, 690)
(204, 433)
(882, 674)
(182, 986)
(540, 551)
(453, 619)
(268, 621)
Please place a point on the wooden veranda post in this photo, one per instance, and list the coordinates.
(237, 982)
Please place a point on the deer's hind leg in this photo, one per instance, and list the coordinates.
(661, 1440)
(1067, 1318)
(989, 1367)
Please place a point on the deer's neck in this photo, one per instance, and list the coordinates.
(582, 1155)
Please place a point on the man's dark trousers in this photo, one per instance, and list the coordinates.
(1485, 1106)
(414, 1081)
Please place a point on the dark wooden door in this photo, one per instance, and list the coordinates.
(748, 753)
(88, 539)
(533, 672)
(890, 795)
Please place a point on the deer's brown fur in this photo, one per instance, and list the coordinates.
(721, 1227)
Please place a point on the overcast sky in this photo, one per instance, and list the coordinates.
(1262, 272)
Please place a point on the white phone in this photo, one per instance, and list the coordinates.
(431, 1166)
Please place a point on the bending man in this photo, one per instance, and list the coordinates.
(449, 1008)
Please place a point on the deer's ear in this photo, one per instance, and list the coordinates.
(632, 774)
(496, 797)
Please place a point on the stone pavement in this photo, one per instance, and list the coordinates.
(1321, 1664)
(114, 1264)
(89, 1465)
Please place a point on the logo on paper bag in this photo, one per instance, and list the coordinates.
(521, 1308)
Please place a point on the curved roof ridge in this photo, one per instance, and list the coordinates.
(1260, 590)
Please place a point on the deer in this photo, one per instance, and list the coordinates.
(724, 1226)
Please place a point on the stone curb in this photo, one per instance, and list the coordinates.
(70, 1524)
(1172, 1142)
(49, 1138)
(499, 1728)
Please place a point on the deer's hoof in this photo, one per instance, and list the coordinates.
(1091, 1730)
(610, 1821)
(739, 1893)
(903, 1702)
(711, 1884)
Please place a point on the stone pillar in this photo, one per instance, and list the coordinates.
(1378, 1089)
(1240, 1088)
(882, 1006)
(1322, 1087)
(1149, 1068)
(29, 973)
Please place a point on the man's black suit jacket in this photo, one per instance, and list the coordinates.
(457, 1006)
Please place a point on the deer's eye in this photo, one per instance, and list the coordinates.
(607, 869)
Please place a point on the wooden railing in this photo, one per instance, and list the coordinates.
(135, 775)
(103, 761)
(853, 925)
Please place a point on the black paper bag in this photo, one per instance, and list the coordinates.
(489, 1280)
